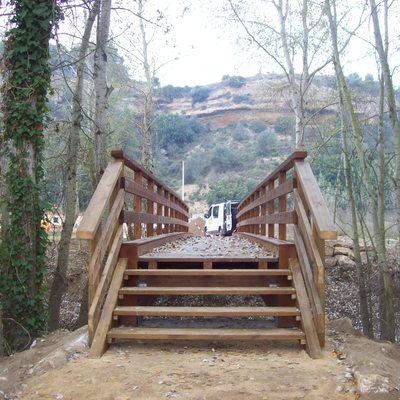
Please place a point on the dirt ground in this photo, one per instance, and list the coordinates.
(58, 368)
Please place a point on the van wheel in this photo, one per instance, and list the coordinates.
(221, 232)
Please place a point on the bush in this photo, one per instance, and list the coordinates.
(173, 129)
(284, 125)
(234, 81)
(196, 166)
(228, 189)
(258, 126)
(223, 159)
(266, 143)
(170, 92)
(237, 99)
(200, 94)
(239, 132)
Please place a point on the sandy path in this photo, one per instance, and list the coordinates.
(159, 371)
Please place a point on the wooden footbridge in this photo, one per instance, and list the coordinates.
(286, 214)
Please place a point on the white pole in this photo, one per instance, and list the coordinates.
(183, 180)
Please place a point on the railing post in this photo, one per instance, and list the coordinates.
(282, 206)
(263, 212)
(137, 232)
(271, 227)
(160, 192)
(150, 208)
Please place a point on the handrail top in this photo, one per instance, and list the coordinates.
(135, 166)
(326, 229)
(283, 167)
(92, 217)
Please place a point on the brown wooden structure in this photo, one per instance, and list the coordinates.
(286, 213)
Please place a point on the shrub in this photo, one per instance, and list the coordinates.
(239, 132)
(196, 166)
(266, 143)
(200, 94)
(258, 126)
(223, 159)
(170, 92)
(173, 129)
(234, 81)
(284, 125)
(242, 99)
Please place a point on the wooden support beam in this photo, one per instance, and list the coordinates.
(98, 298)
(312, 342)
(99, 343)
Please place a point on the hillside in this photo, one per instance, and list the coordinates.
(238, 99)
(245, 129)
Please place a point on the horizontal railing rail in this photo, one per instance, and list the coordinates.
(127, 193)
(269, 206)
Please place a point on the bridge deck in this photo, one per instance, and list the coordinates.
(231, 247)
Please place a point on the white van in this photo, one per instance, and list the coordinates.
(221, 218)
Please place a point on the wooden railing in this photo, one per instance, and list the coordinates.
(156, 210)
(291, 196)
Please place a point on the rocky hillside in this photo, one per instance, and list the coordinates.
(236, 99)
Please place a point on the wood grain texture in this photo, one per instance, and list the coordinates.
(172, 291)
(312, 342)
(105, 280)
(99, 343)
(92, 217)
(315, 201)
(209, 272)
(207, 311)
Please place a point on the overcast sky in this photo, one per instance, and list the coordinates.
(207, 47)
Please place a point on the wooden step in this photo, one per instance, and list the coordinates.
(206, 311)
(178, 257)
(209, 272)
(176, 290)
(205, 334)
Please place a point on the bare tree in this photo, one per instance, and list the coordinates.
(382, 48)
(300, 31)
(58, 287)
(386, 306)
(102, 91)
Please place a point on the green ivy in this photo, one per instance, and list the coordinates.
(26, 83)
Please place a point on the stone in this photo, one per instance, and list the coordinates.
(330, 262)
(345, 251)
(372, 383)
(344, 241)
(329, 248)
(345, 262)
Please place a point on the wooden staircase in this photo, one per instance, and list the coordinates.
(130, 288)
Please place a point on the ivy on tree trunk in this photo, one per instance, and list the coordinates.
(26, 82)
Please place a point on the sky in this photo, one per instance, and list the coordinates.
(208, 47)
(203, 45)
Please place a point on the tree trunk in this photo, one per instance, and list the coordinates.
(365, 311)
(387, 319)
(382, 51)
(26, 80)
(295, 90)
(147, 112)
(101, 127)
(59, 286)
